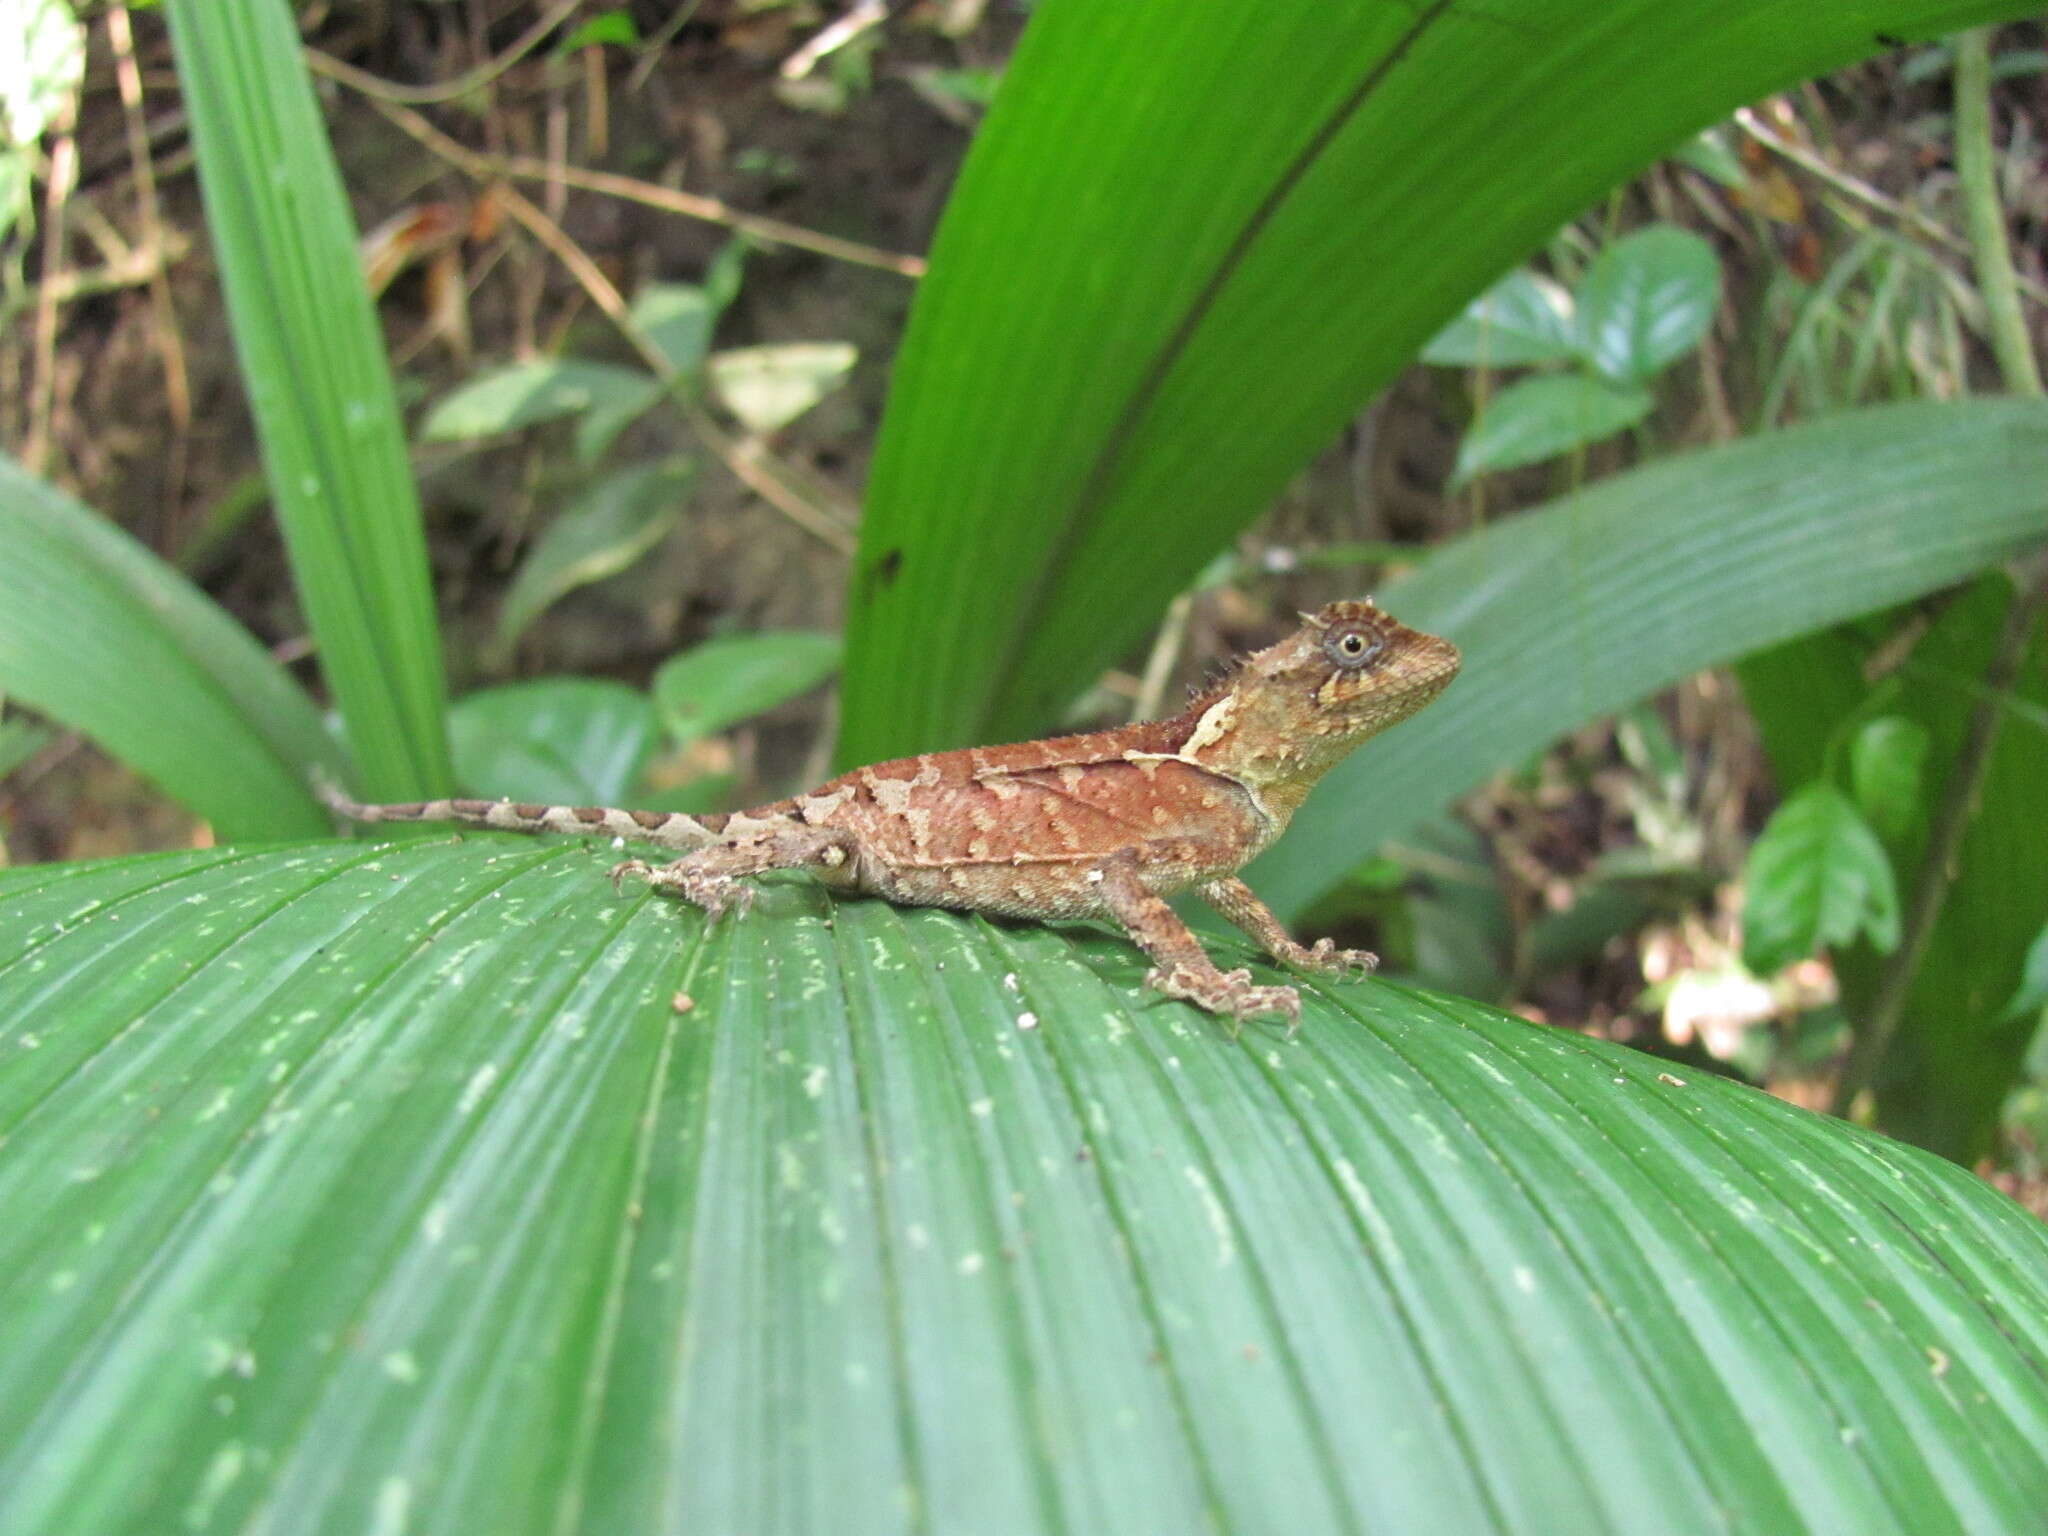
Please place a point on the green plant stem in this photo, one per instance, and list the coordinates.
(1976, 172)
(1997, 281)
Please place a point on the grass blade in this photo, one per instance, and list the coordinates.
(313, 363)
(1185, 251)
(98, 633)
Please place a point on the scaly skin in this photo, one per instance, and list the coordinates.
(1104, 825)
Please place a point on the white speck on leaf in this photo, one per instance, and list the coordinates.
(478, 1085)
(222, 1473)
(394, 1507)
(1219, 1219)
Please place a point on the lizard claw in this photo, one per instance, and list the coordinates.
(1230, 994)
(1323, 956)
(639, 868)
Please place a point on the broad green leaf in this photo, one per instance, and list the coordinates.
(769, 387)
(1955, 1055)
(376, 1188)
(1188, 245)
(1886, 756)
(1524, 318)
(546, 389)
(313, 366)
(1817, 880)
(100, 635)
(602, 532)
(559, 741)
(1536, 419)
(677, 318)
(714, 686)
(42, 66)
(2031, 997)
(1581, 607)
(1646, 301)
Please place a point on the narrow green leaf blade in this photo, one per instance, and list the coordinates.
(401, 1191)
(1583, 606)
(99, 634)
(1182, 254)
(1537, 419)
(313, 365)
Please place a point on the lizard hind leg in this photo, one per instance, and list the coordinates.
(1181, 967)
(711, 877)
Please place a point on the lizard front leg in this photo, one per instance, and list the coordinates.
(1240, 903)
(710, 877)
(1182, 968)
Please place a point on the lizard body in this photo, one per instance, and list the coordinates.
(1101, 825)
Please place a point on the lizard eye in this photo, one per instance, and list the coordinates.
(1351, 648)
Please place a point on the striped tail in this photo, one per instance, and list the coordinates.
(670, 829)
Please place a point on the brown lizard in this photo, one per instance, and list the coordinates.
(1102, 825)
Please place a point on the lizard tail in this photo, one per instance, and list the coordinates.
(670, 829)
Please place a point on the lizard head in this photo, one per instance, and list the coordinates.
(1287, 715)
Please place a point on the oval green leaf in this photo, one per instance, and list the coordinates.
(1522, 319)
(1817, 878)
(1886, 759)
(558, 741)
(1646, 301)
(716, 685)
(547, 389)
(603, 531)
(1536, 419)
(768, 387)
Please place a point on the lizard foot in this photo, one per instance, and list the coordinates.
(1229, 993)
(714, 893)
(1324, 958)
